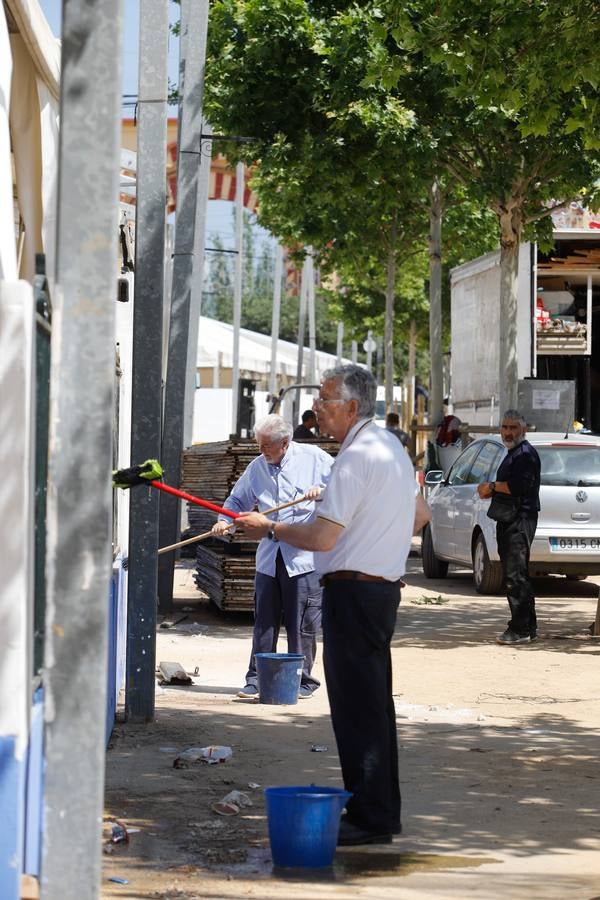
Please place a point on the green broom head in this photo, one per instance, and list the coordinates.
(151, 470)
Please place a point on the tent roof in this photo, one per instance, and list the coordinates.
(216, 338)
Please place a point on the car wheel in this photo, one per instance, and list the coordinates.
(432, 566)
(487, 575)
(573, 577)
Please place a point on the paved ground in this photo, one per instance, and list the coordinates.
(498, 757)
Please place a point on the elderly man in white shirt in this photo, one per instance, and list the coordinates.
(286, 584)
(361, 536)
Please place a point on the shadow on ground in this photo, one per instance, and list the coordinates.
(472, 790)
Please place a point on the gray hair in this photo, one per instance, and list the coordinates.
(515, 416)
(356, 383)
(274, 427)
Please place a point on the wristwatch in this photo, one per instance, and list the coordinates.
(493, 486)
(271, 534)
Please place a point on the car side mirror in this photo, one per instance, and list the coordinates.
(434, 476)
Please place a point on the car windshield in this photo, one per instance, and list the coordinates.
(572, 466)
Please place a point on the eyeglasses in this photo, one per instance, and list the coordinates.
(319, 401)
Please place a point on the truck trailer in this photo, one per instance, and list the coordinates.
(558, 333)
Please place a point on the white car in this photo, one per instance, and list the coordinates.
(567, 539)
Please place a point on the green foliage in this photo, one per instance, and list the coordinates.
(356, 106)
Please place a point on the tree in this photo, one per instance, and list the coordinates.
(333, 149)
(508, 121)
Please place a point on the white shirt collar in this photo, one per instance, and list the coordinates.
(353, 432)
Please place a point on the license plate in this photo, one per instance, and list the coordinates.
(565, 544)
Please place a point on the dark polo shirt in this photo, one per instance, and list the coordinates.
(520, 468)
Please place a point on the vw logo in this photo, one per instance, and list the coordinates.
(581, 496)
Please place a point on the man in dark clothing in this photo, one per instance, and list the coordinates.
(303, 432)
(392, 423)
(518, 477)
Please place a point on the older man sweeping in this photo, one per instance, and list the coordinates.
(286, 586)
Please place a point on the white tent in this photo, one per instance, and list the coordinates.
(215, 348)
(212, 405)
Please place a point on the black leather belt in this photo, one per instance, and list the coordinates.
(349, 575)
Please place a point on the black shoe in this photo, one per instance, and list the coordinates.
(351, 836)
(511, 637)
(533, 635)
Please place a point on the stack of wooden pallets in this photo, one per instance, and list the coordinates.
(225, 568)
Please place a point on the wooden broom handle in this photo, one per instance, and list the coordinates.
(207, 534)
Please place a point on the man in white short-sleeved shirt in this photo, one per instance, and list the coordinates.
(361, 537)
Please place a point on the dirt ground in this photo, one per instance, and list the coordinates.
(498, 759)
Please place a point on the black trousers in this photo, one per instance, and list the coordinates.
(295, 600)
(358, 624)
(514, 543)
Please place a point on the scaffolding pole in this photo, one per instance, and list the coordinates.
(146, 408)
(79, 511)
(194, 22)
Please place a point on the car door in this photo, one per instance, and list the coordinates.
(447, 500)
(469, 508)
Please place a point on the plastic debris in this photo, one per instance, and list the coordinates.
(225, 809)
(237, 797)
(231, 803)
(119, 834)
(211, 755)
(253, 785)
(319, 748)
(118, 880)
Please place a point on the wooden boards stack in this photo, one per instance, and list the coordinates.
(227, 577)
(583, 258)
(210, 471)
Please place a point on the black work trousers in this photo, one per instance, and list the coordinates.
(514, 543)
(294, 600)
(358, 624)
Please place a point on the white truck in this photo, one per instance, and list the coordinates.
(558, 333)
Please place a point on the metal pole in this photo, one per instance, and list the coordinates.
(435, 302)
(237, 293)
(340, 342)
(275, 319)
(301, 330)
(354, 355)
(197, 285)
(146, 401)
(369, 350)
(312, 341)
(80, 456)
(194, 21)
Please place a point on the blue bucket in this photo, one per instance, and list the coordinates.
(279, 677)
(303, 824)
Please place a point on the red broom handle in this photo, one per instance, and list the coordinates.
(197, 500)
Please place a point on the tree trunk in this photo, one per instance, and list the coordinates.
(410, 377)
(435, 302)
(388, 333)
(511, 227)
